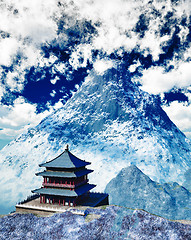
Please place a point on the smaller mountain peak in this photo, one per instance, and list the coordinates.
(130, 173)
(133, 168)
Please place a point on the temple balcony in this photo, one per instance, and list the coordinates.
(64, 185)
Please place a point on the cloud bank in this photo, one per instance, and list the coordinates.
(49, 47)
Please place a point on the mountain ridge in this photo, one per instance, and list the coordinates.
(133, 189)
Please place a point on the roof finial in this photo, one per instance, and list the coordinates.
(67, 147)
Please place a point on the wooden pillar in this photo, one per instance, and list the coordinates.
(40, 199)
(69, 202)
(63, 202)
(59, 201)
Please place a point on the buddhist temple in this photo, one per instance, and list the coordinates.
(65, 182)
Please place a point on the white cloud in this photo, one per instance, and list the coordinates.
(14, 80)
(102, 65)
(53, 93)
(32, 24)
(33, 20)
(80, 56)
(133, 67)
(8, 47)
(180, 114)
(151, 43)
(35, 23)
(116, 18)
(53, 81)
(156, 81)
(19, 117)
(110, 39)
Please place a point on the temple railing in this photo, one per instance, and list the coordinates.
(61, 185)
(52, 208)
(29, 198)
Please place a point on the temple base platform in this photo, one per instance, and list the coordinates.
(34, 206)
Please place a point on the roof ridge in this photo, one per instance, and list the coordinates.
(65, 160)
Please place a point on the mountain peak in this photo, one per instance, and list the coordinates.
(132, 175)
(131, 170)
(133, 189)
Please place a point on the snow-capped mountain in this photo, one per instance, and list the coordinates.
(110, 122)
(133, 189)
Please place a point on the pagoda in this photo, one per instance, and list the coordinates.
(65, 180)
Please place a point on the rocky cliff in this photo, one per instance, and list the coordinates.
(112, 223)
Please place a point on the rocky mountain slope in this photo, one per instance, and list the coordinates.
(112, 223)
(110, 122)
(132, 188)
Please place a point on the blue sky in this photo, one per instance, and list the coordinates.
(49, 47)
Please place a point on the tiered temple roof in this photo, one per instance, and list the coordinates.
(75, 174)
(65, 160)
(65, 176)
(65, 192)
